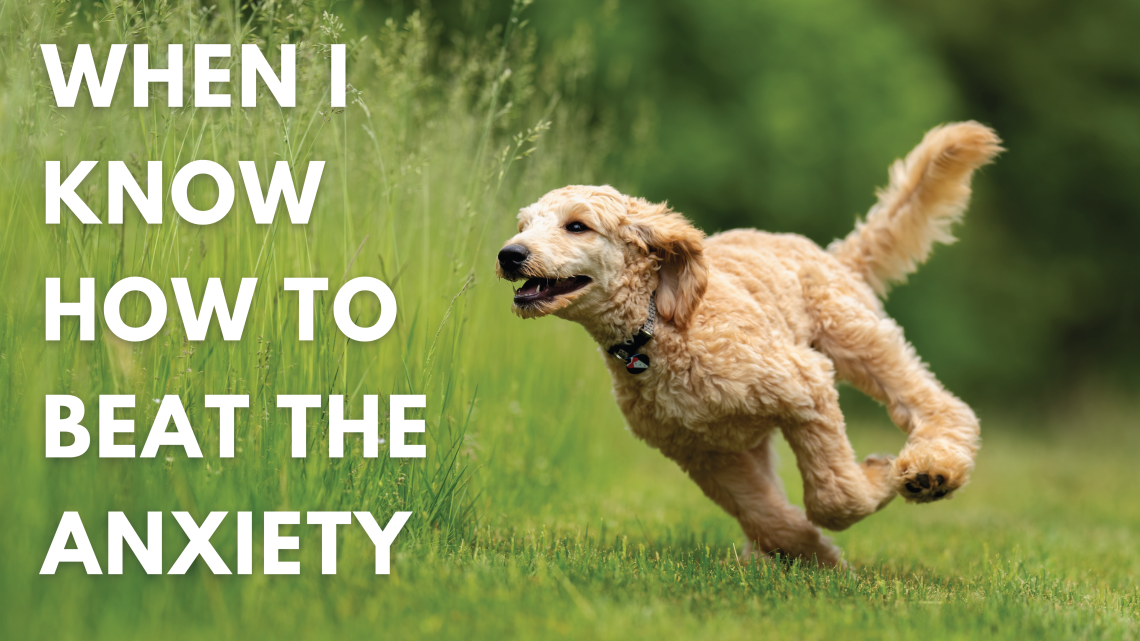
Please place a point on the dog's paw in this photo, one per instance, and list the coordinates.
(924, 474)
(924, 487)
(819, 551)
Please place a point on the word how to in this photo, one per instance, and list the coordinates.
(214, 305)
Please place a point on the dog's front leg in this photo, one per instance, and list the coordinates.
(838, 492)
(746, 485)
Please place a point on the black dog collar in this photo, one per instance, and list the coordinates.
(636, 363)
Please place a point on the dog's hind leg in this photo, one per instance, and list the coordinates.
(869, 350)
(747, 486)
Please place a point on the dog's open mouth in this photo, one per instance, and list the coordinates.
(537, 290)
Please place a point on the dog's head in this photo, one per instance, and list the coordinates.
(581, 248)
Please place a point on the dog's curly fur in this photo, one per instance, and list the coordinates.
(754, 329)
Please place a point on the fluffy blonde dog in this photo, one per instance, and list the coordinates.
(753, 329)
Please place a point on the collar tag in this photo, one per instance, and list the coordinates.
(637, 364)
(627, 352)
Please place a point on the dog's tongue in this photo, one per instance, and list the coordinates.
(531, 286)
(547, 287)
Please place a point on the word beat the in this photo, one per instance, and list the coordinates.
(171, 411)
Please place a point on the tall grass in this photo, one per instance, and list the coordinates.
(425, 168)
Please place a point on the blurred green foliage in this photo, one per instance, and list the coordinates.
(1061, 82)
(784, 115)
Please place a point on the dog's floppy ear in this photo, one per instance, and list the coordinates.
(678, 246)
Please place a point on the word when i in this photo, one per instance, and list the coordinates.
(253, 65)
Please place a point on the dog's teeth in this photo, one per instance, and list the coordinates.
(539, 290)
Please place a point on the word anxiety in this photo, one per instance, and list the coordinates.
(149, 554)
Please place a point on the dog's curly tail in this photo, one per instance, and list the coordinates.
(928, 192)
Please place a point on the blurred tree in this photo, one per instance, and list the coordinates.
(1061, 83)
(781, 115)
(784, 114)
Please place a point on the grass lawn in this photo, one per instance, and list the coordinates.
(535, 515)
(1034, 548)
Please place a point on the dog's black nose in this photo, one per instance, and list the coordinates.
(511, 257)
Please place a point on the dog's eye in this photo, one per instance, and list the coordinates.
(576, 227)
